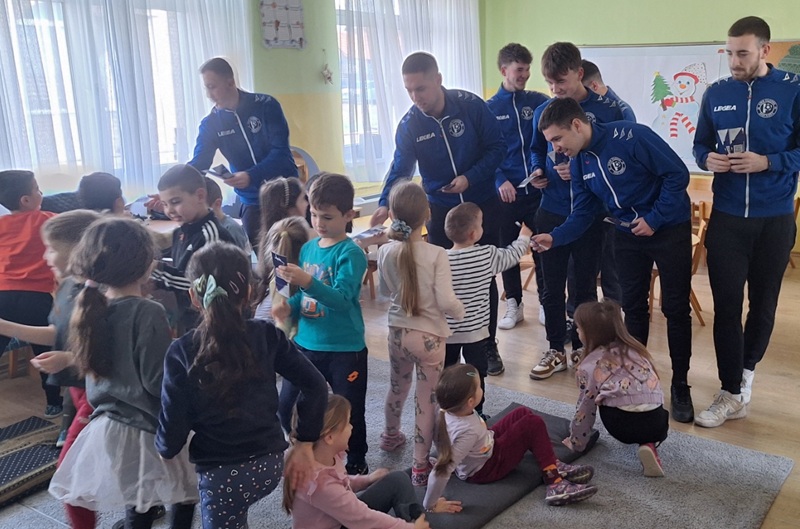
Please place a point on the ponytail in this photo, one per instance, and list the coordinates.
(90, 338)
(444, 446)
(409, 207)
(409, 285)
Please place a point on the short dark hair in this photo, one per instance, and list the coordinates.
(460, 220)
(213, 191)
(591, 72)
(186, 177)
(561, 112)
(751, 26)
(15, 184)
(99, 191)
(331, 189)
(420, 62)
(219, 66)
(513, 52)
(559, 58)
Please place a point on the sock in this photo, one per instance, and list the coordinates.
(551, 475)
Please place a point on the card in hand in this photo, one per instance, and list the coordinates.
(281, 285)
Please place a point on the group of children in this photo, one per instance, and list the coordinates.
(145, 393)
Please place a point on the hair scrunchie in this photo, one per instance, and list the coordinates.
(206, 287)
(400, 226)
(91, 284)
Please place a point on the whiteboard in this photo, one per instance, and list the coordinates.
(664, 85)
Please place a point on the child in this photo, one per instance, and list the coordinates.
(473, 267)
(285, 238)
(60, 235)
(617, 375)
(219, 382)
(329, 500)
(481, 455)
(101, 192)
(281, 198)
(26, 281)
(416, 277)
(214, 200)
(182, 191)
(330, 330)
(119, 340)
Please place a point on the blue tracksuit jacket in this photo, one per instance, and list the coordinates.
(762, 116)
(634, 173)
(253, 138)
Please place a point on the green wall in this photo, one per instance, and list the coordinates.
(535, 24)
(312, 108)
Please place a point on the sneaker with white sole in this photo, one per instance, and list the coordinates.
(552, 362)
(574, 358)
(726, 406)
(747, 385)
(565, 493)
(651, 463)
(514, 314)
(541, 315)
(494, 363)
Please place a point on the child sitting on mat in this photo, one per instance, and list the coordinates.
(617, 375)
(329, 500)
(479, 454)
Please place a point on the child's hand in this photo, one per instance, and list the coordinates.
(294, 275)
(281, 311)
(525, 231)
(420, 523)
(445, 505)
(378, 474)
(53, 361)
(299, 465)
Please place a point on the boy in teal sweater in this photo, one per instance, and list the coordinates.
(330, 330)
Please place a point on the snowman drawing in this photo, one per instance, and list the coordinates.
(679, 106)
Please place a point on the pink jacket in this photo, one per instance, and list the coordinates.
(329, 501)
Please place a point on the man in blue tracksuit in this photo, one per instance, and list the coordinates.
(639, 178)
(251, 132)
(561, 68)
(593, 80)
(514, 106)
(748, 134)
(456, 141)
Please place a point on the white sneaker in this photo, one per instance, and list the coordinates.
(747, 385)
(574, 358)
(541, 315)
(725, 406)
(514, 314)
(552, 362)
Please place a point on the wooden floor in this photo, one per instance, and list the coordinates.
(773, 423)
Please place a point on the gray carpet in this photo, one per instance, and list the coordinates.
(708, 483)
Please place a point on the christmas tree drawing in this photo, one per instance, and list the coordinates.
(660, 90)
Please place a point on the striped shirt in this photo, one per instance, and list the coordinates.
(473, 269)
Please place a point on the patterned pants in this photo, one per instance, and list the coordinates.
(407, 349)
(228, 491)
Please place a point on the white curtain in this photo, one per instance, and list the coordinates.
(111, 85)
(374, 38)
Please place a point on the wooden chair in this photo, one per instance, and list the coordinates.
(697, 256)
(796, 209)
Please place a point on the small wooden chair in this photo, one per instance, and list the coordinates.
(796, 209)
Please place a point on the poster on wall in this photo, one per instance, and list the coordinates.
(282, 24)
(664, 85)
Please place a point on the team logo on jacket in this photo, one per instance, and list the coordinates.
(766, 108)
(592, 118)
(456, 128)
(526, 113)
(616, 166)
(254, 124)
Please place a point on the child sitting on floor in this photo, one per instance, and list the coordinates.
(479, 454)
(617, 375)
(329, 500)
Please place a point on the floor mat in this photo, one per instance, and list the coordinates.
(481, 503)
(27, 457)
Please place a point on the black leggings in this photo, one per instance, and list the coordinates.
(636, 427)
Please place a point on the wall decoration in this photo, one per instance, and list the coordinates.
(282, 24)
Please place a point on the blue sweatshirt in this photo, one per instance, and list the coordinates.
(556, 197)
(466, 140)
(514, 111)
(250, 427)
(253, 138)
(631, 170)
(761, 116)
(328, 312)
(627, 111)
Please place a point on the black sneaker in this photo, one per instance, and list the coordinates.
(359, 468)
(682, 408)
(495, 363)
